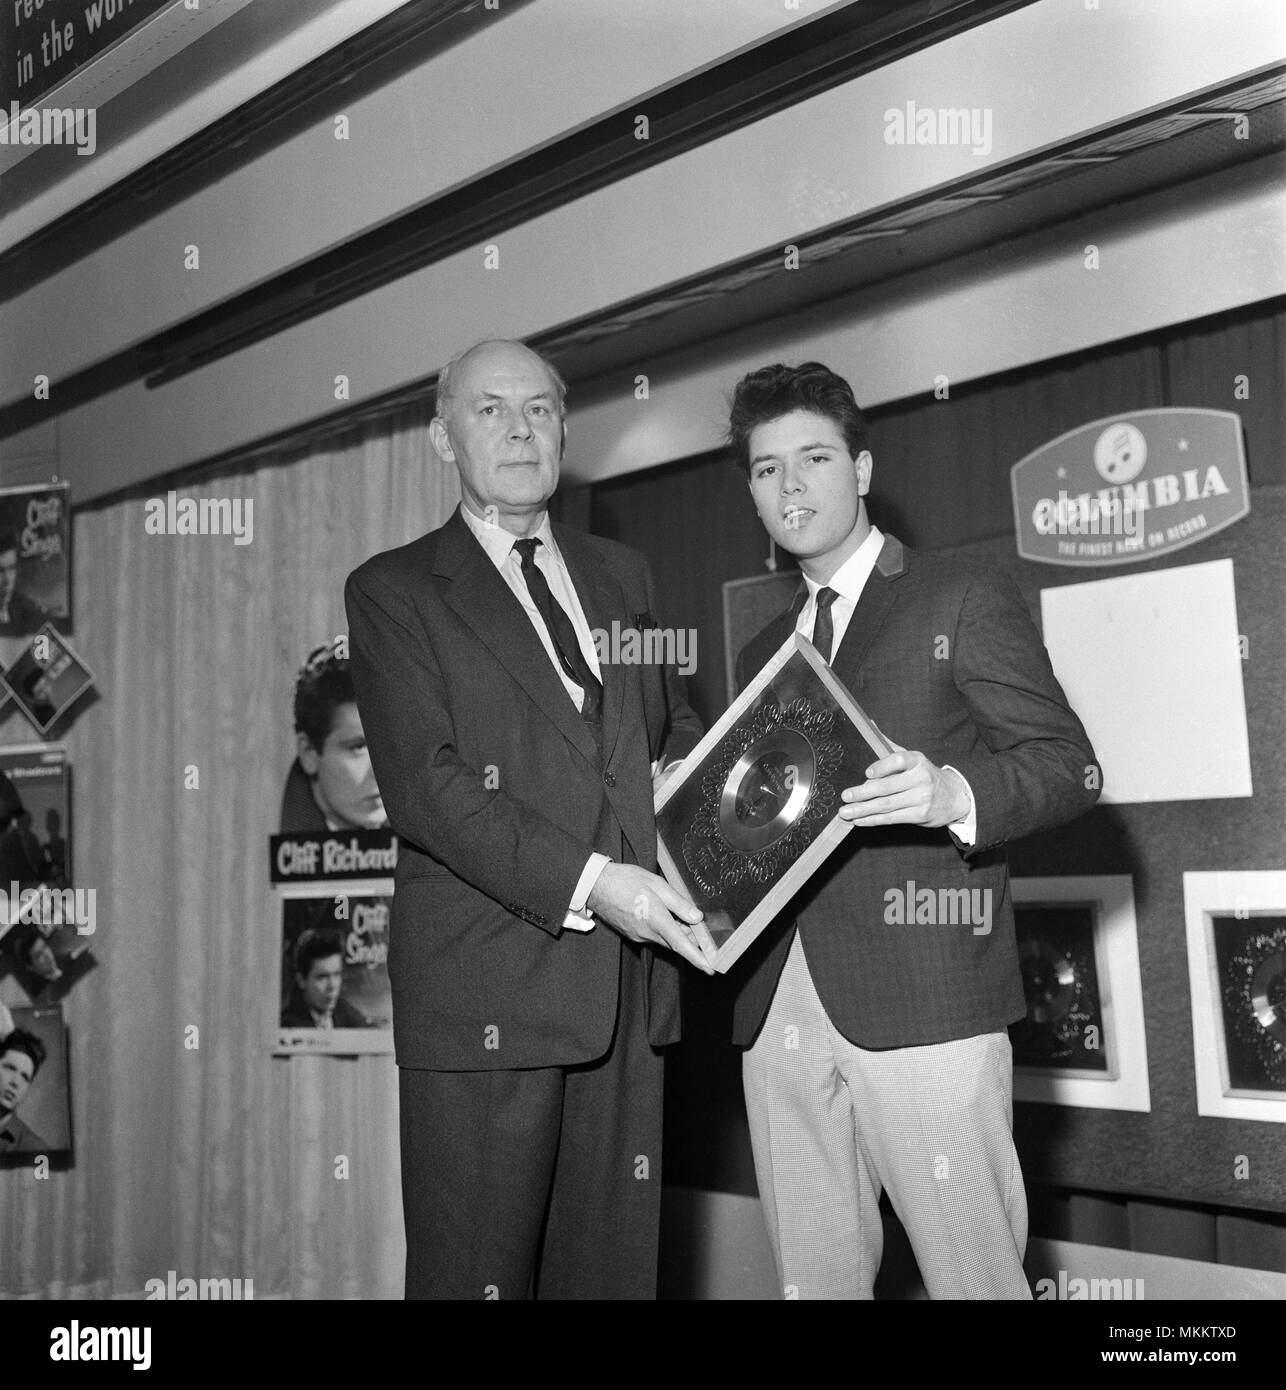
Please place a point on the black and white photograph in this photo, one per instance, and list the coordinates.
(35, 1107)
(1236, 935)
(334, 994)
(669, 619)
(48, 956)
(47, 679)
(1083, 1039)
(35, 816)
(35, 559)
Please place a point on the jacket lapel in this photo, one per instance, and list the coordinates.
(872, 608)
(485, 602)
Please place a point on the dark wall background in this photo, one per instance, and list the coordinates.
(942, 482)
(941, 467)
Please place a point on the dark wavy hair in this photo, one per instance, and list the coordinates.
(771, 392)
(314, 944)
(324, 683)
(22, 1041)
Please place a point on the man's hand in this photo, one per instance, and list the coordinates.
(907, 789)
(643, 907)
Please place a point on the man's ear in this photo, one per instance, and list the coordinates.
(441, 440)
(309, 758)
(865, 463)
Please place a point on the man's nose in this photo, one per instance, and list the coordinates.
(519, 426)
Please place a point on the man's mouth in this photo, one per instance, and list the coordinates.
(793, 517)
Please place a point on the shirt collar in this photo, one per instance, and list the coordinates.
(850, 579)
(499, 543)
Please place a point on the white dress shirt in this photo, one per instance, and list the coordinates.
(499, 545)
(848, 582)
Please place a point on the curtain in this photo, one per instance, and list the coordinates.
(219, 1160)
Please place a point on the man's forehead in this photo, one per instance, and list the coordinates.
(505, 369)
(800, 429)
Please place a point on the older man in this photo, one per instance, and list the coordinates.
(529, 993)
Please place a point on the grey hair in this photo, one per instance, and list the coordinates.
(446, 377)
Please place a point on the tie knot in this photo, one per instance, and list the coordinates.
(825, 597)
(526, 549)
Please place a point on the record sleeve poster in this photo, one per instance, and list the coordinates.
(334, 994)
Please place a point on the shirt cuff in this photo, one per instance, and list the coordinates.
(578, 919)
(966, 830)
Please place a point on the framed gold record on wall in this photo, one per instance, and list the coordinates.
(1236, 925)
(754, 809)
(1066, 1027)
(1083, 1041)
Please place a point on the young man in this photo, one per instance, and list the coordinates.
(877, 1057)
(314, 1000)
(21, 1056)
(331, 785)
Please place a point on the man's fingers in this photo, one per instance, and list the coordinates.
(705, 942)
(878, 787)
(674, 935)
(676, 902)
(885, 767)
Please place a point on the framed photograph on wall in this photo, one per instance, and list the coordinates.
(1083, 1041)
(35, 1091)
(35, 558)
(334, 994)
(1236, 929)
(35, 816)
(47, 679)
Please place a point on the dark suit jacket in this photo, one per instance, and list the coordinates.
(945, 658)
(25, 616)
(295, 1013)
(18, 1137)
(499, 794)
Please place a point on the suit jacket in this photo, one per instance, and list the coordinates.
(499, 792)
(18, 1137)
(295, 1013)
(945, 658)
(25, 616)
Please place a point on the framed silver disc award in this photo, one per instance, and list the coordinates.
(754, 809)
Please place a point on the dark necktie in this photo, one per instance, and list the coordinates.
(823, 628)
(561, 631)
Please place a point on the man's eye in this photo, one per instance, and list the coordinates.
(487, 410)
(540, 410)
